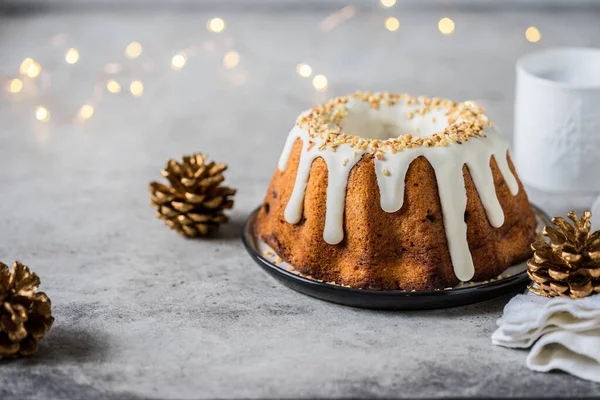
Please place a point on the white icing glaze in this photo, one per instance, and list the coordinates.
(339, 164)
(446, 161)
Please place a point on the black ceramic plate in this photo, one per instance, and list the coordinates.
(388, 299)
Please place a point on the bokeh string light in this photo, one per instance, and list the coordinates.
(304, 70)
(30, 68)
(178, 61)
(34, 70)
(532, 34)
(113, 86)
(42, 114)
(25, 64)
(136, 88)
(112, 73)
(446, 26)
(216, 25)
(320, 83)
(133, 50)
(86, 111)
(392, 24)
(15, 85)
(107, 79)
(72, 56)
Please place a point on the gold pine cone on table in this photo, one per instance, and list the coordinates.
(25, 313)
(569, 265)
(194, 203)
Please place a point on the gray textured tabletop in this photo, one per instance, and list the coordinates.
(143, 313)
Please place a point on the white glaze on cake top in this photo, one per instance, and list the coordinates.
(391, 167)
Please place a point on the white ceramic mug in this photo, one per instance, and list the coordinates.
(557, 120)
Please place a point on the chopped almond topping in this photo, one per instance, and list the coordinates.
(465, 120)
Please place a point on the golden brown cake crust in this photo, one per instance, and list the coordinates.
(406, 249)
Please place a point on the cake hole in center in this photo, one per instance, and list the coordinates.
(391, 121)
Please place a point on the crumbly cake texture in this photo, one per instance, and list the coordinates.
(406, 249)
(465, 120)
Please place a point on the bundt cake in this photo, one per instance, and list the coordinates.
(387, 191)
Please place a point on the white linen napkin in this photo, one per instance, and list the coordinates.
(565, 333)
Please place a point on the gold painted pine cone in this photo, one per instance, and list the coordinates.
(25, 315)
(569, 265)
(194, 203)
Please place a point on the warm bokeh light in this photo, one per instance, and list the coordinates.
(86, 111)
(72, 56)
(34, 70)
(392, 24)
(136, 88)
(320, 82)
(533, 34)
(133, 50)
(25, 64)
(304, 70)
(231, 59)
(446, 26)
(387, 3)
(42, 114)
(113, 86)
(178, 61)
(216, 25)
(30, 68)
(15, 85)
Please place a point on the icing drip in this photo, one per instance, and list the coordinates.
(447, 162)
(289, 144)
(339, 164)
